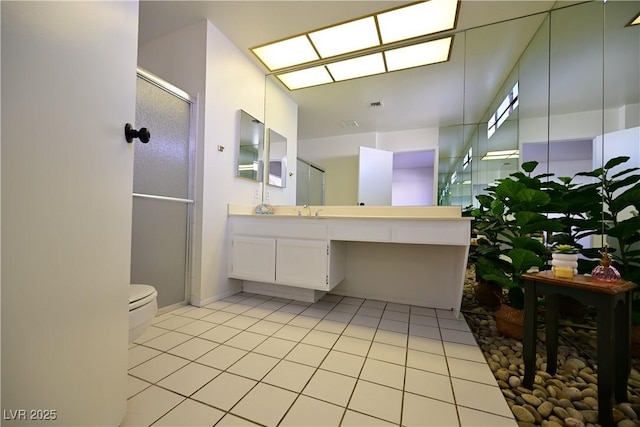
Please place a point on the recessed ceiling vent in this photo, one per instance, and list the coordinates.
(376, 104)
(349, 124)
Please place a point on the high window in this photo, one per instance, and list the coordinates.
(505, 109)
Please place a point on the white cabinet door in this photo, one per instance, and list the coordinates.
(302, 263)
(253, 258)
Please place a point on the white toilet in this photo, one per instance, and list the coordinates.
(143, 306)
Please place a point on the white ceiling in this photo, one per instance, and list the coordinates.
(431, 96)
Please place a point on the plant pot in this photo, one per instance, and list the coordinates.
(487, 293)
(510, 321)
(565, 260)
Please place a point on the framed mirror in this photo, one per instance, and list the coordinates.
(250, 163)
(277, 154)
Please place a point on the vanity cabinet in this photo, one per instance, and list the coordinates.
(269, 253)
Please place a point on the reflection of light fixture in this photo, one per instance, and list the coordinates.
(467, 182)
(500, 155)
(383, 32)
(251, 167)
(634, 21)
(357, 67)
(418, 54)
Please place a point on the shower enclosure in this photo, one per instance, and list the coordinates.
(162, 190)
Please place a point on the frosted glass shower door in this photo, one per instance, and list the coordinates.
(161, 192)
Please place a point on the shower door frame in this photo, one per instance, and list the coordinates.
(190, 201)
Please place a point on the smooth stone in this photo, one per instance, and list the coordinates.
(552, 390)
(565, 403)
(522, 414)
(503, 374)
(617, 415)
(572, 422)
(580, 405)
(514, 382)
(574, 413)
(532, 410)
(590, 416)
(627, 410)
(544, 375)
(588, 377)
(578, 363)
(540, 394)
(545, 409)
(494, 366)
(547, 423)
(591, 402)
(589, 392)
(508, 394)
(572, 393)
(626, 423)
(503, 384)
(560, 412)
(531, 400)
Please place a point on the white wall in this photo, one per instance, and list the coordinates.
(202, 61)
(68, 80)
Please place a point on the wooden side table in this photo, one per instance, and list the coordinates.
(613, 310)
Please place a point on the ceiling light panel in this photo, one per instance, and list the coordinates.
(418, 54)
(344, 38)
(286, 53)
(416, 20)
(367, 65)
(305, 78)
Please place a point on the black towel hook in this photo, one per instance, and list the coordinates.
(130, 133)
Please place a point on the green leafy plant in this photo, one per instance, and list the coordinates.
(511, 219)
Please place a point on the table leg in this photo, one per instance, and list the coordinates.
(622, 347)
(530, 327)
(605, 314)
(552, 305)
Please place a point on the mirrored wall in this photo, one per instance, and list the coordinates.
(570, 101)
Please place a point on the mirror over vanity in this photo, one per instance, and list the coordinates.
(250, 164)
(535, 87)
(277, 154)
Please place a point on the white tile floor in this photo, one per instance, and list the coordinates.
(252, 360)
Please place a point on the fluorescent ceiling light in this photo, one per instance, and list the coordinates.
(418, 54)
(501, 155)
(305, 78)
(420, 19)
(349, 37)
(286, 53)
(357, 67)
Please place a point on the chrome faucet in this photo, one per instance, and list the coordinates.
(304, 207)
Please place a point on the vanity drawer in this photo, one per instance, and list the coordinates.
(295, 228)
(433, 232)
(360, 230)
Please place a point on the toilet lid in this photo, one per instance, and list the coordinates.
(137, 293)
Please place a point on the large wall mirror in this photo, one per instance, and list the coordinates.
(277, 155)
(250, 164)
(569, 100)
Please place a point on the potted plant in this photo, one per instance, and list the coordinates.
(566, 256)
(511, 219)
